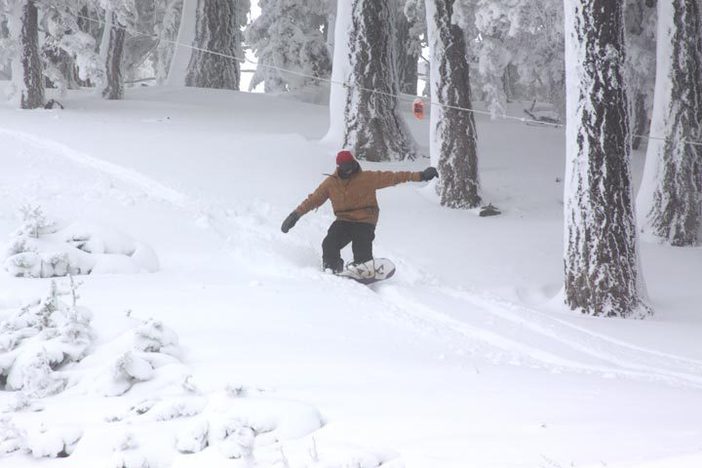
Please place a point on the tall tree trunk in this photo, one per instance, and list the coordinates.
(364, 115)
(178, 67)
(670, 195)
(217, 31)
(641, 125)
(407, 57)
(602, 275)
(453, 135)
(32, 92)
(508, 80)
(114, 85)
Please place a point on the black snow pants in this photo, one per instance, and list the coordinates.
(340, 233)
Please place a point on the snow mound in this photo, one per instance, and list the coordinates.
(42, 248)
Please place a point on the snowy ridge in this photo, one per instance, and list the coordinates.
(148, 185)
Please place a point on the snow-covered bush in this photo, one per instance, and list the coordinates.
(193, 438)
(40, 338)
(153, 345)
(42, 248)
(51, 442)
(10, 436)
(236, 439)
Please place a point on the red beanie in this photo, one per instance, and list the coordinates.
(344, 156)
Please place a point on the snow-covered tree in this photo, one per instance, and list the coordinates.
(409, 48)
(218, 38)
(178, 66)
(119, 15)
(22, 47)
(363, 111)
(453, 135)
(32, 93)
(515, 42)
(602, 275)
(640, 20)
(36, 341)
(114, 53)
(141, 41)
(288, 40)
(670, 197)
(69, 48)
(166, 27)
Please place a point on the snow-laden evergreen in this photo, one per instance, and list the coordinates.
(168, 14)
(453, 136)
(519, 37)
(39, 340)
(218, 38)
(670, 197)
(289, 44)
(364, 109)
(602, 274)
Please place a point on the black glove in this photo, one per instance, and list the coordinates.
(290, 221)
(429, 173)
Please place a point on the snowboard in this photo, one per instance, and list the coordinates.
(372, 271)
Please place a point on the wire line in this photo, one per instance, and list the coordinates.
(399, 97)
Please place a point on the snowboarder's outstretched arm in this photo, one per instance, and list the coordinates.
(384, 179)
(313, 200)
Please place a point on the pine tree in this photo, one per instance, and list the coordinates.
(602, 274)
(453, 133)
(68, 49)
(32, 91)
(178, 66)
(168, 14)
(364, 114)
(408, 50)
(218, 35)
(670, 196)
(517, 46)
(639, 17)
(288, 36)
(140, 45)
(114, 55)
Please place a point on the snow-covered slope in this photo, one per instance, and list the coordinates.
(462, 359)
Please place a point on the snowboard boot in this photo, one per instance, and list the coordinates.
(334, 266)
(365, 270)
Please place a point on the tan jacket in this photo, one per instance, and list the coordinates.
(353, 199)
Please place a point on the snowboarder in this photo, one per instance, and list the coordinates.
(352, 194)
